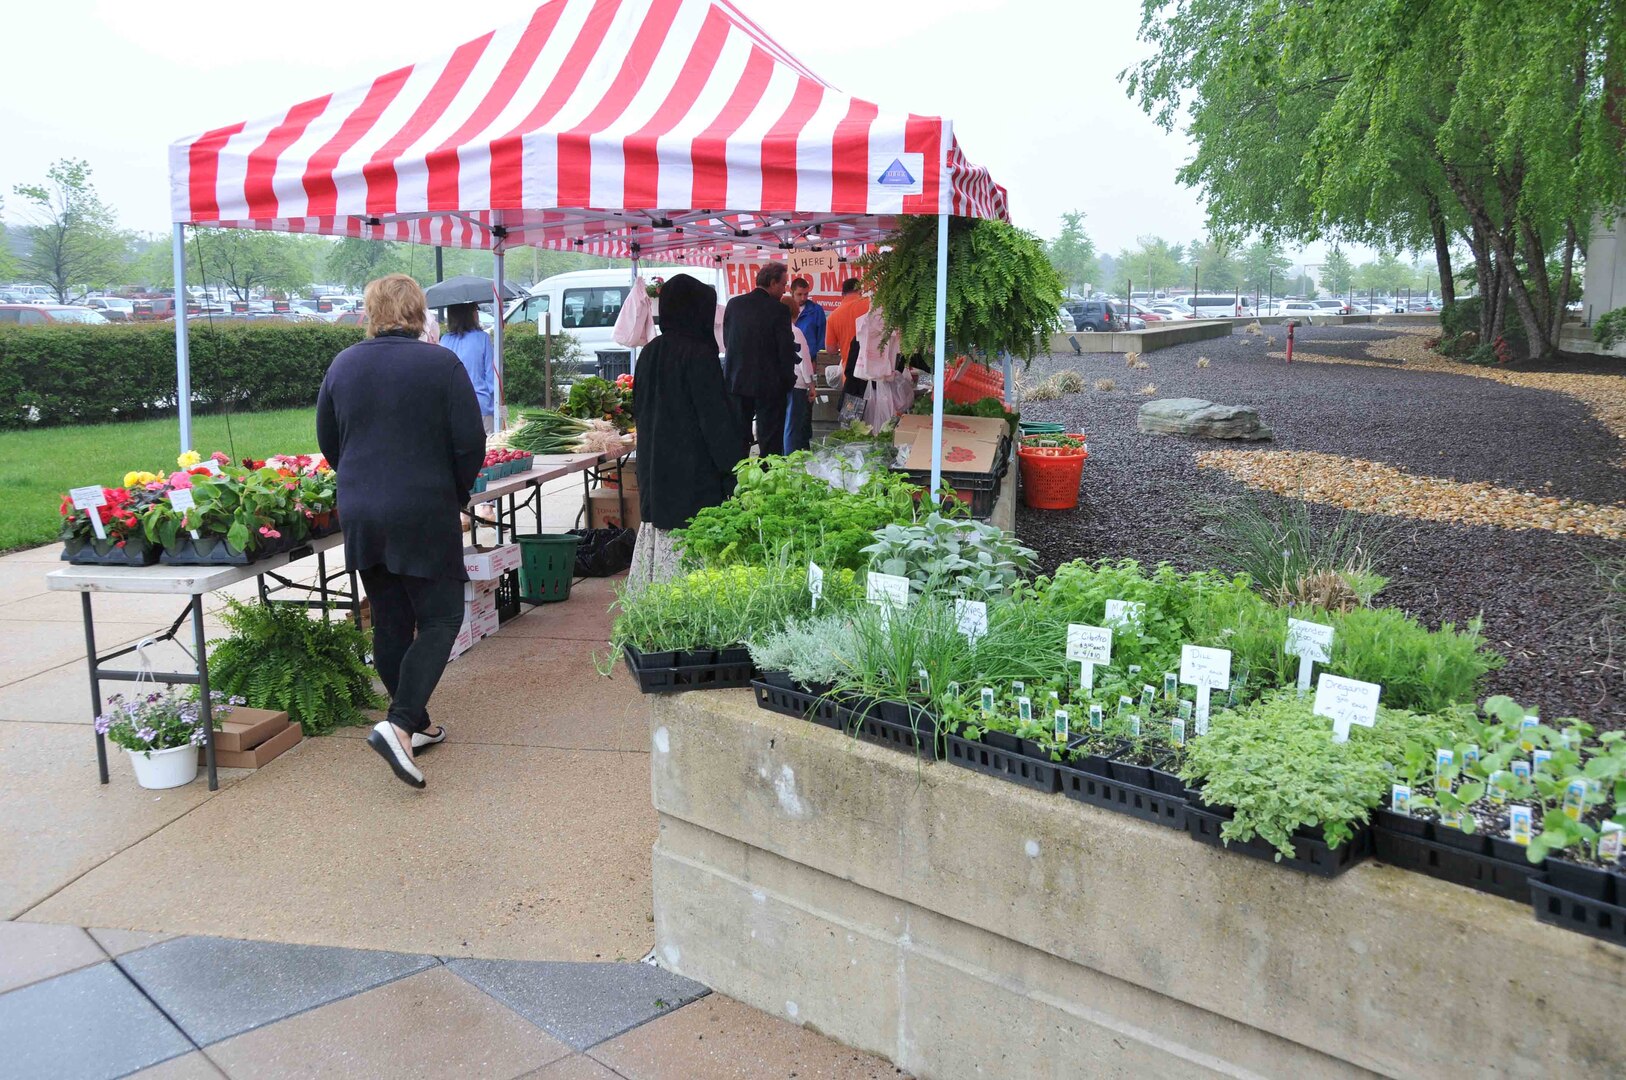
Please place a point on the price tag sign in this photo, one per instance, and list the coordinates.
(1088, 646)
(887, 590)
(972, 618)
(89, 498)
(1206, 669)
(1312, 644)
(182, 500)
(1346, 702)
(212, 465)
(1124, 612)
(815, 582)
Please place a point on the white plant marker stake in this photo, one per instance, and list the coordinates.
(1311, 643)
(1346, 702)
(1089, 646)
(815, 583)
(1206, 669)
(91, 498)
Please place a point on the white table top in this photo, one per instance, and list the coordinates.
(173, 580)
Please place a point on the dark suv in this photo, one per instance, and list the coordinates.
(1094, 316)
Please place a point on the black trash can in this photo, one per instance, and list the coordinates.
(613, 362)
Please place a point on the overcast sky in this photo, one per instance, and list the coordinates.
(1033, 92)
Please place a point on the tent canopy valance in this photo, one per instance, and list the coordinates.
(626, 128)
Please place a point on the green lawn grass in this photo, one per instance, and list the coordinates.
(37, 467)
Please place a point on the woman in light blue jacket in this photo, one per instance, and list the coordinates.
(473, 347)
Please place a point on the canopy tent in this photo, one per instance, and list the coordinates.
(624, 128)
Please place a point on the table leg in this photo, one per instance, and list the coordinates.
(95, 683)
(321, 576)
(206, 705)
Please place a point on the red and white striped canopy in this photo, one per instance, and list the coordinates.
(615, 127)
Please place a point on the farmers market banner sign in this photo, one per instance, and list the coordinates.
(825, 270)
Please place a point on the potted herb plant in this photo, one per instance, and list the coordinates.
(161, 732)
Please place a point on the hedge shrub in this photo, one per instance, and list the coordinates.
(54, 375)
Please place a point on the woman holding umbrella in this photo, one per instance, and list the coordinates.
(473, 347)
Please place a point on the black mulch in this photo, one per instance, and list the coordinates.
(1537, 591)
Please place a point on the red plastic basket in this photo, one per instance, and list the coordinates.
(1051, 475)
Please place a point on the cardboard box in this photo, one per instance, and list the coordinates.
(961, 453)
(366, 610)
(480, 605)
(244, 728)
(604, 509)
(488, 564)
(625, 477)
(464, 641)
(990, 428)
(485, 623)
(261, 755)
(472, 589)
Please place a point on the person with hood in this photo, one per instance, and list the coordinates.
(688, 438)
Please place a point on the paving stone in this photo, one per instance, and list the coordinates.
(193, 1066)
(575, 1067)
(119, 942)
(582, 1004)
(30, 952)
(431, 1024)
(87, 1024)
(721, 1039)
(214, 988)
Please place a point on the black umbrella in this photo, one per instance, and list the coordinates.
(465, 289)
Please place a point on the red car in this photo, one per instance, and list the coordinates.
(42, 314)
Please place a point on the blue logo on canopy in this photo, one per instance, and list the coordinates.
(896, 175)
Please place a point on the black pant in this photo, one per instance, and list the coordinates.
(769, 412)
(415, 622)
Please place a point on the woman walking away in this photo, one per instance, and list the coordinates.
(473, 346)
(397, 418)
(688, 435)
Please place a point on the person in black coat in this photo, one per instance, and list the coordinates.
(761, 364)
(687, 440)
(398, 419)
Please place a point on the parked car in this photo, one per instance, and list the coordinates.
(41, 314)
(1094, 316)
(1298, 308)
(1174, 310)
(113, 308)
(1333, 307)
(1220, 306)
(1130, 320)
(1064, 322)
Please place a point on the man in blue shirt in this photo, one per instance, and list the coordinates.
(799, 411)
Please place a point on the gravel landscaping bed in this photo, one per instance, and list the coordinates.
(1536, 590)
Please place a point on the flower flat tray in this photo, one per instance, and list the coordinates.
(1555, 907)
(800, 704)
(671, 678)
(1311, 856)
(1009, 765)
(1444, 862)
(1121, 798)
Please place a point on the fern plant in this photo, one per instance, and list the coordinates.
(1003, 294)
(278, 657)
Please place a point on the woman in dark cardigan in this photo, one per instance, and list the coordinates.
(399, 421)
(688, 435)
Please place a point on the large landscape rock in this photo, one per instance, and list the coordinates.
(1194, 416)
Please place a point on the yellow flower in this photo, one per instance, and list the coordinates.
(131, 479)
(189, 459)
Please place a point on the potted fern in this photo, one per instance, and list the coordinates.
(278, 657)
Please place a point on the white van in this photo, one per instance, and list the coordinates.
(1220, 306)
(585, 303)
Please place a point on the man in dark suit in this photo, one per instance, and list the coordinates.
(761, 365)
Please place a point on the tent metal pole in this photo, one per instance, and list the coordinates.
(940, 350)
(499, 417)
(183, 355)
(633, 364)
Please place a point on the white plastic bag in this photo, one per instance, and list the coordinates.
(635, 325)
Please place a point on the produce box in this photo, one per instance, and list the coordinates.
(481, 604)
(484, 623)
(990, 428)
(962, 453)
(625, 477)
(464, 641)
(472, 589)
(604, 509)
(268, 751)
(489, 564)
(245, 728)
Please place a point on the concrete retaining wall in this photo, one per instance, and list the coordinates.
(963, 926)
(1149, 340)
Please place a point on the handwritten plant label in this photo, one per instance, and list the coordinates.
(1171, 686)
(971, 616)
(1311, 643)
(988, 700)
(1024, 709)
(1575, 798)
(1061, 725)
(212, 465)
(887, 590)
(815, 582)
(183, 500)
(1177, 732)
(90, 498)
(1346, 702)
(1518, 825)
(1088, 646)
(1124, 613)
(1609, 842)
(1530, 720)
(1521, 769)
(1400, 799)
(1206, 669)
(1097, 721)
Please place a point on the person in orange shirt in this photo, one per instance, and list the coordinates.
(840, 328)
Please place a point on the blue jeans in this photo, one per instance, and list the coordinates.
(798, 421)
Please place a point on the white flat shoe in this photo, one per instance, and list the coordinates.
(422, 739)
(389, 748)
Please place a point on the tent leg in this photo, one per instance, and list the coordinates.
(499, 419)
(940, 351)
(633, 366)
(183, 356)
(1010, 382)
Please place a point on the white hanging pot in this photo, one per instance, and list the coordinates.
(159, 769)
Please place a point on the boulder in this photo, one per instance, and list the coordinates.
(1194, 416)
